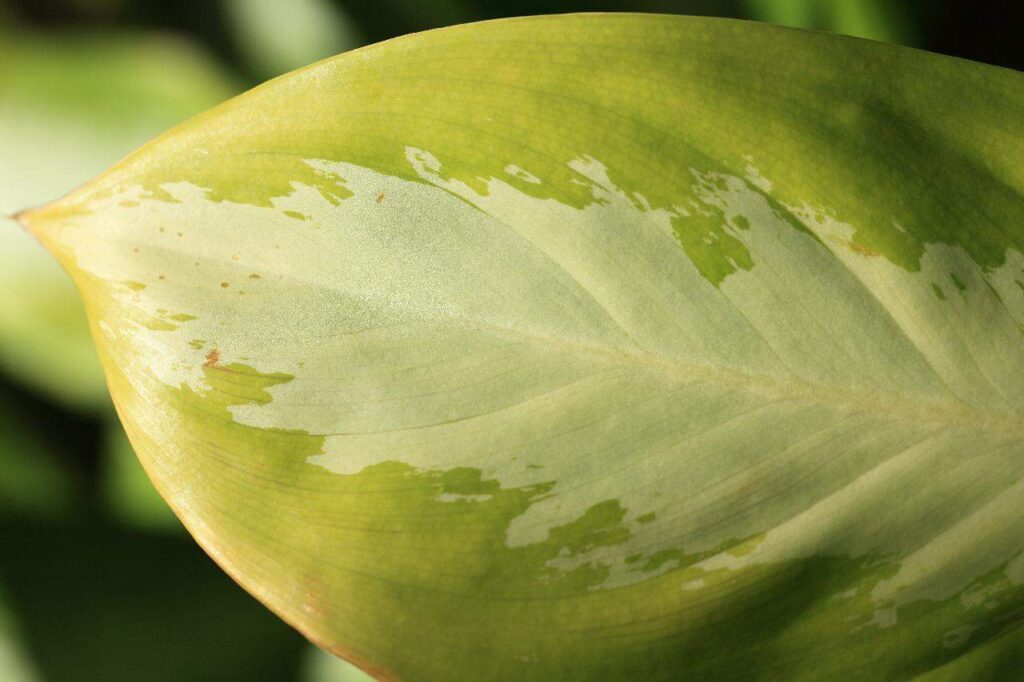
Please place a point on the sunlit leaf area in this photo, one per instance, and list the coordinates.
(500, 494)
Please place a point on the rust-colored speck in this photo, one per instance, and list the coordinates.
(380, 197)
(224, 285)
(212, 358)
(254, 276)
(861, 249)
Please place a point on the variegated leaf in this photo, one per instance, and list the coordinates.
(589, 347)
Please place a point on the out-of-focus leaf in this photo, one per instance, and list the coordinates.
(595, 347)
(32, 481)
(129, 494)
(101, 604)
(44, 337)
(14, 663)
(875, 19)
(385, 19)
(69, 106)
(795, 13)
(323, 667)
(276, 37)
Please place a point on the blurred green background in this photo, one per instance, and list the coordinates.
(98, 581)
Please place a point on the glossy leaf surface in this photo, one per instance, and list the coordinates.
(611, 347)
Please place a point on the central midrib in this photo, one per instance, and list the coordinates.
(890, 406)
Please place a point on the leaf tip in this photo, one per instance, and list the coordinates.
(33, 223)
(24, 218)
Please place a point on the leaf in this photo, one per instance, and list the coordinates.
(276, 37)
(322, 667)
(597, 346)
(70, 105)
(44, 336)
(14, 663)
(872, 19)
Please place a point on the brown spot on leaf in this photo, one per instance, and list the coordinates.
(380, 197)
(861, 249)
(254, 276)
(224, 285)
(212, 358)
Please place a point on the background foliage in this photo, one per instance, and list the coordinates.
(97, 579)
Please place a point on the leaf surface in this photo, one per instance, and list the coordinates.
(597, 346)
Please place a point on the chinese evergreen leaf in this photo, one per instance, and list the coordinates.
(589, 347)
